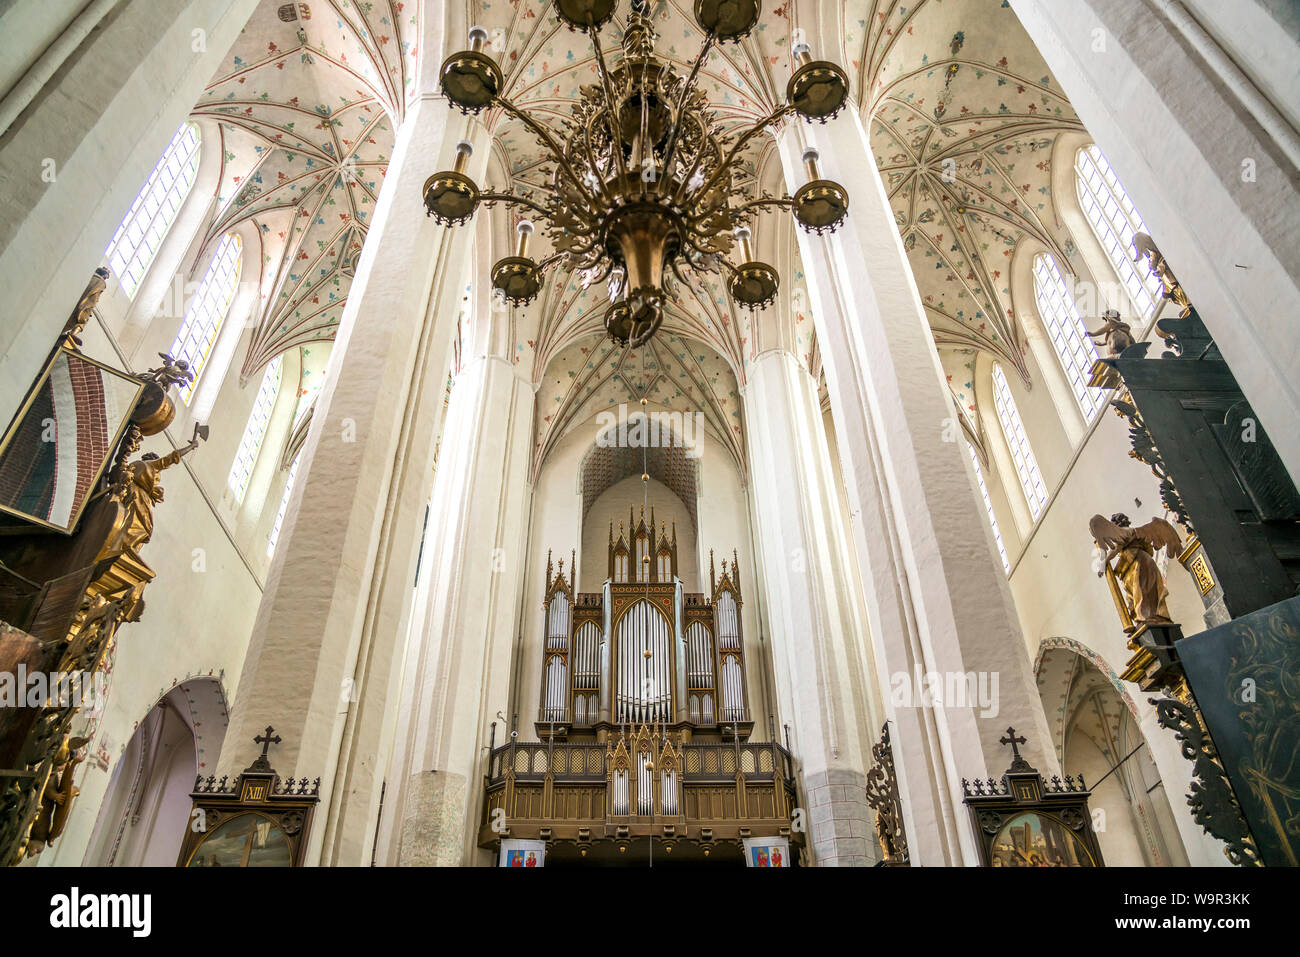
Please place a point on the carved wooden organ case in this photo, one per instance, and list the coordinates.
(643, 651)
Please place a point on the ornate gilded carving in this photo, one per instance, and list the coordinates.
(1213, 803)
(883, 798)
(1144, 247)
(136, 485)
(71, 335)
(63, 600)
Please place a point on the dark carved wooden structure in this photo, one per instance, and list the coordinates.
(1247, 789)
(1220, 476)
(255, 821)
(884, 799)
(1223, 480)
(1025, 821)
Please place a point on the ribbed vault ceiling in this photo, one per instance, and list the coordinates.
(963, 118)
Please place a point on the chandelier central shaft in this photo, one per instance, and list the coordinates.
(645, 185)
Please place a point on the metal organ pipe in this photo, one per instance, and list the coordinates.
(557, 623)
(586, 673)
(644, 681)
(699, 672)
(728, 623)
(645, 791)
(556, 687)
(733, 700)
(558, 617)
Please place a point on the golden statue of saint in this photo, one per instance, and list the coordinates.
(139, 489)
(1135, 571)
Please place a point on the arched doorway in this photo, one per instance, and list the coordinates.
(1095, 732)
(146, 808)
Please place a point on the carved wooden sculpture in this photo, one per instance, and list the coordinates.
(1134, 570)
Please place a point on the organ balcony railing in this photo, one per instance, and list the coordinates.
(638, 785)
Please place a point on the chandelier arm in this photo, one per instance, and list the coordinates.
(690, 239)
(680, 196)
(550, 261)
(609, 268)
(591, 158)
(681, 102)
(549, 139)
(616, 144)
(638, 341)
(758, 205)
(770, 120)
(730, 268)
(489, 198)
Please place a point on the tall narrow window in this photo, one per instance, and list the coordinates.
(255, 431)
(137, 240)
(1111, 214)
(208, 309)
(284, 507)
(1031, 480)
(988, 505)
(1066, 329)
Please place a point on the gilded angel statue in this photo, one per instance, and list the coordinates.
(1135, 572)
(1114, 333)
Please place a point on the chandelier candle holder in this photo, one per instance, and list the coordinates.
(820, 205)
(644, 185)
(451, 197)
(753, 284)
(517, 278)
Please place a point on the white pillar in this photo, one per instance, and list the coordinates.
(812, 607)
(937, 597)
(459, 664)
(1209, 163)
(323, 659)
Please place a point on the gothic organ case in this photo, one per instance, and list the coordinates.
(642, 728)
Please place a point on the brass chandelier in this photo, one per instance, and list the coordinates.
(645, 184)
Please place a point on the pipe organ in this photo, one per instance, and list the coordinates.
(643, 650)
(643, 731)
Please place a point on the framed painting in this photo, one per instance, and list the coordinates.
(63, 438)
(245, 840)
(1034, 839)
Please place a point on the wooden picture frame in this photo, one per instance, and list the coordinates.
(62, 439)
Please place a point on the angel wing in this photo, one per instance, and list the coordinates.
(1105, 532)
(1161, 535)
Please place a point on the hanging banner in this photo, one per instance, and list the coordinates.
(767, 852)
(516, 852)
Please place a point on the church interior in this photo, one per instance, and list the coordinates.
(648, 432)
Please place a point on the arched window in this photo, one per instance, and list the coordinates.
(988, 505)
(1066, 329)
(137, 240)
(1031, 480)
(284, 507)
(1111, 214)
(208, 309)
(255, 431)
